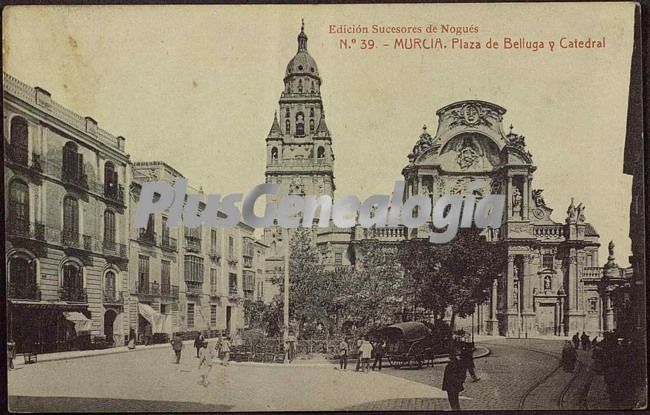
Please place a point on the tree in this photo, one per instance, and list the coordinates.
(378, 284)
(254, 313)
(458, 274)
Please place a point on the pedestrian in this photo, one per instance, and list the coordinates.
(217, 346)
(225, 351)
(147, 335)
(343, 354)
(11, 353)
(595, 341)
(467, 360)
(205, 363)
(177, 345)
(569, 357)
(359, 343)
(291, 346)
(198, 342)
(453, 379)
(576, 340)
(131, 339)
(366, 352)
(584, 339)
(380, 348)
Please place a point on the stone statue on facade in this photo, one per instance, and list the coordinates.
(610, 248)
(572, 213)
(424, 143)
(538, 198)
(516, 200)
(580, 213)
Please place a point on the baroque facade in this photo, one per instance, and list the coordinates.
(552, 284)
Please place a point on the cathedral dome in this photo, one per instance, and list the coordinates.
(302, 63)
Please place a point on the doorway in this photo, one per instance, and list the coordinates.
(109, 321)
(228, 318)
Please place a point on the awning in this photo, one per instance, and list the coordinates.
(81, 322)
(49, 305)
(160, 323)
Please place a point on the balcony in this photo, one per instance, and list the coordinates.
(192, 244)
(70, 238)
(113, 297)
(114, 192)
(75, 178)
(248, 262)
(169, 291)
(146, 288)
(25, 229)
(24, 291)
(114, 249)
(232, 291)
(193, 289)
(214, 255)
(88, 242)
(73, 294)
(168, 243)
(147, 237)
(214, 291)
(232, 261)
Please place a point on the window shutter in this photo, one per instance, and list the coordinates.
(80, 165)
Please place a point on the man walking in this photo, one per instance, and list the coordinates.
(584, 339)
(453, 379)
(576, 340)
(343, 354)
(467, 360)
(177, 345)
(225, 350)
(380, 347)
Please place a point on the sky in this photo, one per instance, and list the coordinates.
(197, 87)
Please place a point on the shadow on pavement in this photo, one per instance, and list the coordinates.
(73, 404)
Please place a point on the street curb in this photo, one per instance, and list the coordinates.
(47, 357)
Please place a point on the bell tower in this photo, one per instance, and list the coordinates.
(299, 154)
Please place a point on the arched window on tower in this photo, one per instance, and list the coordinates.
(320, 153)
(287, 113)
(287, 127)
(299, 85)
(274, 153)
(19, 140)
(311, 125)
(19, 207)
(300, 124)
(311, 112)
(313, 88)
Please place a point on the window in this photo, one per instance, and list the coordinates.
(165, 231)
(287, 113)
(165, 276)
(19, 206)
(249, 283)
(190, 315)
(260, 289)
(193, 239)
(73, 165)
(193, 269)
(232, 283)
(213, 240)
(547, 261)
(143, 274)
(338, 258)
(213, 315)
(311, 125)
(287, 128)
(19, 139)
(231, 247)
(300, 124)
(109, 285)
(148, 234)
(321, 152)
(72, 287)
(70, 221)
(109, 229)
(299, 85)
(22, 278)
(313, 88)
(311, 112)
(110, 180)
(593, 304)
(213, 281)
(274, 153)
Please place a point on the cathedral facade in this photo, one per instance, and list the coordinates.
(552, 284)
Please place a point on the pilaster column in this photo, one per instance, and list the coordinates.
(509, 196)
(572, 289)
(527, 290)
(510, 303)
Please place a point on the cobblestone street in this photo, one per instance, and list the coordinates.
(518, 374)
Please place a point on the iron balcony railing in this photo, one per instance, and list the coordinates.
(25, 229)
(214, 290)
(147, 236)
(20, 290)
(193, 289)
(75, 178)
(192, 244)
(248, 261)
(168, 290)
(169, 243)
(147, 288)
(73, 294)
(114, 192)
(114, 248)
(70, 238)
(113, 297)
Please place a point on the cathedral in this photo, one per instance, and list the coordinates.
(552, 285)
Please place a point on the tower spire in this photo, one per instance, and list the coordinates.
(302, 38)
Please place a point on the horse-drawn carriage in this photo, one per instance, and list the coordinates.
(409, 344)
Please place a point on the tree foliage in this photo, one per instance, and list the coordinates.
(458, 274)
